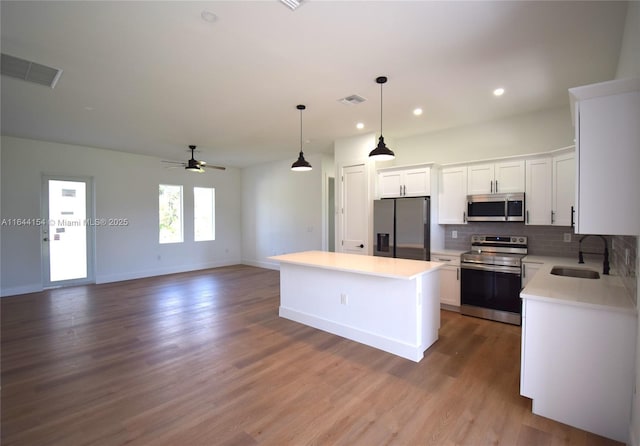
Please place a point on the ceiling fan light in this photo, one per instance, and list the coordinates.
(301, 164)
(382, 152)
(196, 169)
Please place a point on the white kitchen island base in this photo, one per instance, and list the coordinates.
(389, 304)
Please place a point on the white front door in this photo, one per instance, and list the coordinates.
(67, 238)
(355, 222)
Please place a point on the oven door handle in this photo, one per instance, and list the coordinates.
(492, 268)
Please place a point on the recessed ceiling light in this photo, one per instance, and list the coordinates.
(89, 108)
(360, 126)
(417, 111)
(208, 16)
(498, 91)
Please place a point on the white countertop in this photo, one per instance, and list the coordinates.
(607, 292)
(362, 264)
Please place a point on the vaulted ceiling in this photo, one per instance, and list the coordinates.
(153, 77)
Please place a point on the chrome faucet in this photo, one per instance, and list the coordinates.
(605, 254)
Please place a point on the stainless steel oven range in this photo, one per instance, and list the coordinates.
(490, 281)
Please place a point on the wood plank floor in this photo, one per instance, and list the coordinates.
(202, 358)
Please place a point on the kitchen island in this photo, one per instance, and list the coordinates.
(386, 303)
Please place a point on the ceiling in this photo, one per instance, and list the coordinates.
(154, 77)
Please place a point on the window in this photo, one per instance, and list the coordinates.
(204, 213)
(170, 214)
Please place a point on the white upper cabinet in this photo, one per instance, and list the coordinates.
(538, 191)
(563, 189)
(404, 182)
(492, 178)
(607, 117)
(453, 196)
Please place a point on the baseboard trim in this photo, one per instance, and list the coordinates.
(25, 289)
(412, 352)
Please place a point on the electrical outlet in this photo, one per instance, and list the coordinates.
(344, 299)
(454, 234)
(567, 237)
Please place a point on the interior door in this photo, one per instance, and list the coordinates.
(67, 238)
(354, 210)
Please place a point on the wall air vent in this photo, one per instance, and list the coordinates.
(29, 71)
(354, 99)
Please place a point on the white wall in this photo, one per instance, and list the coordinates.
(535, 132)
(629, 66)
(629, 61)
(283, 211)
(126, 186)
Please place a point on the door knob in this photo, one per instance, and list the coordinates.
(45, 239)
(361, 246)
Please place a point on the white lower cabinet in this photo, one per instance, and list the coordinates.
(449, 280)
(577, 365)
(529, 269)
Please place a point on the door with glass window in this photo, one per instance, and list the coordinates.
(67, 232)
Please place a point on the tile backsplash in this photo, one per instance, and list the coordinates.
(549, 241)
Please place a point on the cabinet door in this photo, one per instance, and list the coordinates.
(453, 196)
(480, 179)
(528, 271)
(417, 182)
(390, 184)
(564, 189)
(608, 137)
(509, 177)
(450, 285)
(538, 192)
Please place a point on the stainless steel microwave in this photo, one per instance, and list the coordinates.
(496, 207)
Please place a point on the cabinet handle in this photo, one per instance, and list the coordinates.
(464, 217)
(405, 190)
(524, 270)
(572, 211)
(496, 186)
(553, 214)
(527, 217)
(401, 190)
(491, 186)
(457, 273)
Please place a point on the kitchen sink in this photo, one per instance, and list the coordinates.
(574, 272)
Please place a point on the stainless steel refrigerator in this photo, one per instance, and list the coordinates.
(401, 228)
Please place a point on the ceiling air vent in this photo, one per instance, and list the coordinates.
(29, 71)
(354, 99)
(292, 4)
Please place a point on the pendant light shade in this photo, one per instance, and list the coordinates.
(381, 152)
(301, 164)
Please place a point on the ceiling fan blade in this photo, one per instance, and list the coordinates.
(214, 167)
(174, 167)
(173, 162)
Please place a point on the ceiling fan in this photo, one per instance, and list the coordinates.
(193, 164)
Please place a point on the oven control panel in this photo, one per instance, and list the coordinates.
(501, 239)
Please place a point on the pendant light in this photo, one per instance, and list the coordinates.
(382, 152)
(301, 164)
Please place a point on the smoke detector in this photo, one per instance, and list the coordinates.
(30, 71)
(354, 99)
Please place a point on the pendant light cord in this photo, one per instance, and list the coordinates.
(380, 109)
(300, 130)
